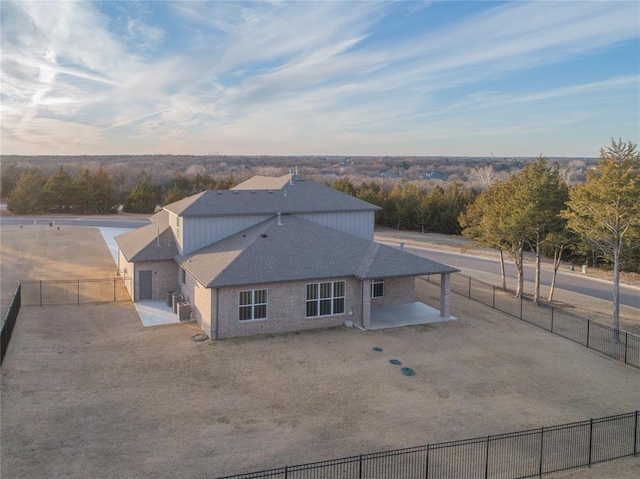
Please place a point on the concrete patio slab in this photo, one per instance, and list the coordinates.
(408, 314)
(155, 313)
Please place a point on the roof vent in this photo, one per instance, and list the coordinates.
(279, 219)
(264, 235)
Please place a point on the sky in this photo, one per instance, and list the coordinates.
(395, 78)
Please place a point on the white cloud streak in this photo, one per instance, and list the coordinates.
(293, 77)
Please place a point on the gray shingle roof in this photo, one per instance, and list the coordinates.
(299, 250)
(300, 197)
(153, 242)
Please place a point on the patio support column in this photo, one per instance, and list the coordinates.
(366, 304)
(445, 295)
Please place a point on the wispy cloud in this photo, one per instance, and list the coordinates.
(329, 75)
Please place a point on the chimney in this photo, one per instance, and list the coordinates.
(290, 177)
(279, 219)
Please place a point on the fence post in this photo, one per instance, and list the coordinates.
(635, 436)
(588, 330)
(541, 451)
(493, 303)
(590, 439)
(626, 344)
(521, 301)
(286, 471)
(486, 460)
(426, 467)
(360, 467)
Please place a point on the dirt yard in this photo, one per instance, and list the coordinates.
(87, 392)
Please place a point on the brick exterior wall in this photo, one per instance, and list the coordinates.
(200, 300)
(286, 309)
(397, 291)
(164, 277)
(130, 267)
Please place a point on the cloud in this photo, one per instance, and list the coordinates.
(291, 73)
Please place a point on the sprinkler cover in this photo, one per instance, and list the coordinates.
(377, 349)
(407, 371)
(395, 361)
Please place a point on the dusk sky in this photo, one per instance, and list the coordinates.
(319, 78)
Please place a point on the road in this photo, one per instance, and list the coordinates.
(569, 281)
(93, 222)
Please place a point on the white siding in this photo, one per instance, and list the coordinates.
(358, 223)
(200, 232)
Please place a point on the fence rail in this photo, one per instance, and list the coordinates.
(515, 455)
(617, 344)
(9, 322)
(77, 291)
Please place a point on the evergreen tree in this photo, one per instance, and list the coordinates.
(59, 192)
(141, 200)
(605, 211)
(103, 192)
(26, 197)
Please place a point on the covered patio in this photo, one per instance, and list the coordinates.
(385, 316)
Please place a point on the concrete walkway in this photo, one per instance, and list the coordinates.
(152, 313)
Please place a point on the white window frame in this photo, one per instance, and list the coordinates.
(252, 305)
(326, 294)
(377, 282)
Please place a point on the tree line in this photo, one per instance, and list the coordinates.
(97, 192)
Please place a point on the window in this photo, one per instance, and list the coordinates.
(183, 276)
(325, 299)
(377, 288)
(252, 305)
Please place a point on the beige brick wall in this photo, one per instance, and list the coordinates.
(199, 298)
(286, 310)
(164, 277)
(122, 265)
(397, 291)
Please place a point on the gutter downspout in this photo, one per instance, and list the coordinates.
(362, 304)
(217, 310)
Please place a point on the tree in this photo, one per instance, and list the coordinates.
(605, 211)
(59, 192)
(9, 178)
(547, 195)
(103, 191)
(141, 200)
(26, 197)
(481, 222)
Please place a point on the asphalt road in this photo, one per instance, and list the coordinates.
(93, 222)
(569, 281)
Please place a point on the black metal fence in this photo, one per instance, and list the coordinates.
(9, 322)
(77, 291)
(514, 455)
(619, 344)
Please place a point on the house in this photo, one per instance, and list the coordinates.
(272, 255)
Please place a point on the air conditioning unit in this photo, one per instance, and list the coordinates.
(176, 298)
(184, 311)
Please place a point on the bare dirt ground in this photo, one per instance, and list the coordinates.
(87, 392)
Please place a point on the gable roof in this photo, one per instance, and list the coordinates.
(263, 183)
(153, 242)
(261, 195)
(299, 250)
